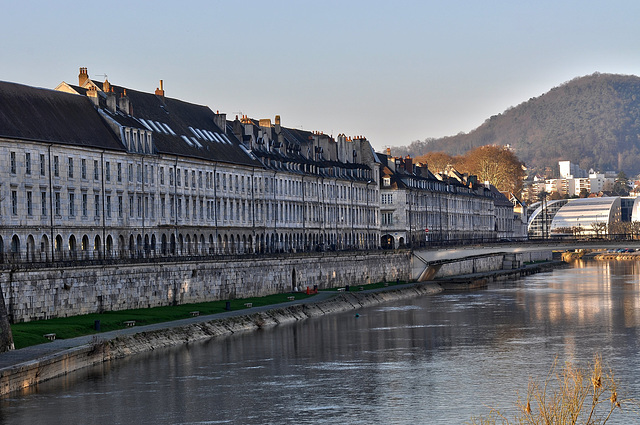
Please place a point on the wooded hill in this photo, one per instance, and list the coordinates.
(593, 121)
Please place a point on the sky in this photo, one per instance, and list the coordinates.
(392, 71)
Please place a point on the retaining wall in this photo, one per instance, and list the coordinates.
(43, 293)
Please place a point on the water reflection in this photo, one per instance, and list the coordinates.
(438, 359)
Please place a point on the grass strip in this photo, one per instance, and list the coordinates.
(32, 333)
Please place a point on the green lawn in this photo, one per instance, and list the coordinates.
(32, 333)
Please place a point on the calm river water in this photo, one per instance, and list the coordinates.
(435, 360)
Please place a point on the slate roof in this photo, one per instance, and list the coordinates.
(36, 114)
(213, 144)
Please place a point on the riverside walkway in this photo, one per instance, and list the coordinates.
(34, 353)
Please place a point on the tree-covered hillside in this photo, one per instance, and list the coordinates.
(593, 121)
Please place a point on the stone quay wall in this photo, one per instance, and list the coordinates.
(492, 262)
(33, 293)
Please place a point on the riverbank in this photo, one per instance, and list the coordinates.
(21, 369)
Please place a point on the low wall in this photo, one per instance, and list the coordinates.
(43, 293)
(25, 375)
(490, 263)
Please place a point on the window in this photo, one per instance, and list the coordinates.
(130, 205)
(56, 166)
(162, 206)
(96, 170)
(107, 171)
(43, 203)
(108, 211)
(153, 176)
(72, 204)
(120, 207)
(130, 173)
(186, 208)
(70, 167)
(193, 179)
(57, 203)
(96, 205)
(178, 177)
(200, 179)
(12, 157)
(139, 203)
(171, 206)
(29, 203)
(139, 173)
(186, 178)
(119, 171)
(153, 206)
(85, 208)
(179, 208)
(42, 165)
(161, 176)
(27, 163)
(14, 202)
(83, 170)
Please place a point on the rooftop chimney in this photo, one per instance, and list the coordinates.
(408, 164)
(83, 76)
(123, 103)
(388, 151)
(160, 91)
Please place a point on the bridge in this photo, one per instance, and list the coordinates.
(427, 263)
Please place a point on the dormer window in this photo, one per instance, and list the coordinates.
(386, 181)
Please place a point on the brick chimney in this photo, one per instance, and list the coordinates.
(160, 91)
(83, 76)
(92, 94)
(388, 151)
(408, 164)
(124, 104)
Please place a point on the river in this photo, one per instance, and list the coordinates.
(434, 360)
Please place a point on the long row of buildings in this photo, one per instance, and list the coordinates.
(94, 170)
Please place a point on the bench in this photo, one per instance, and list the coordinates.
(130, 323)
(50, 337)
(194, 313)
(291, 298)
(248, 305)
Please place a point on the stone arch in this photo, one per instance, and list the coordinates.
(225, 244)
(97, 247)
(172, 247)
(211, 244)
(15, 247)
(31, 251)
(180, 244)
(147, 246)
(109, 248)
(132, 246)
(387, 242)
(219, 248)
(153, 243)
(121, 246)
(163, 244)
(203, 246)
(44, 248)
(139, 246)
(84, 245)
(72, 247)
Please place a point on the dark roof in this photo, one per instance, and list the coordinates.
(36, 114)
(179, 116)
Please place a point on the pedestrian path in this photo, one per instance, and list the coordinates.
(35, 352)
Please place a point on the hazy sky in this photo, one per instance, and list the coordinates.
(393, 71)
